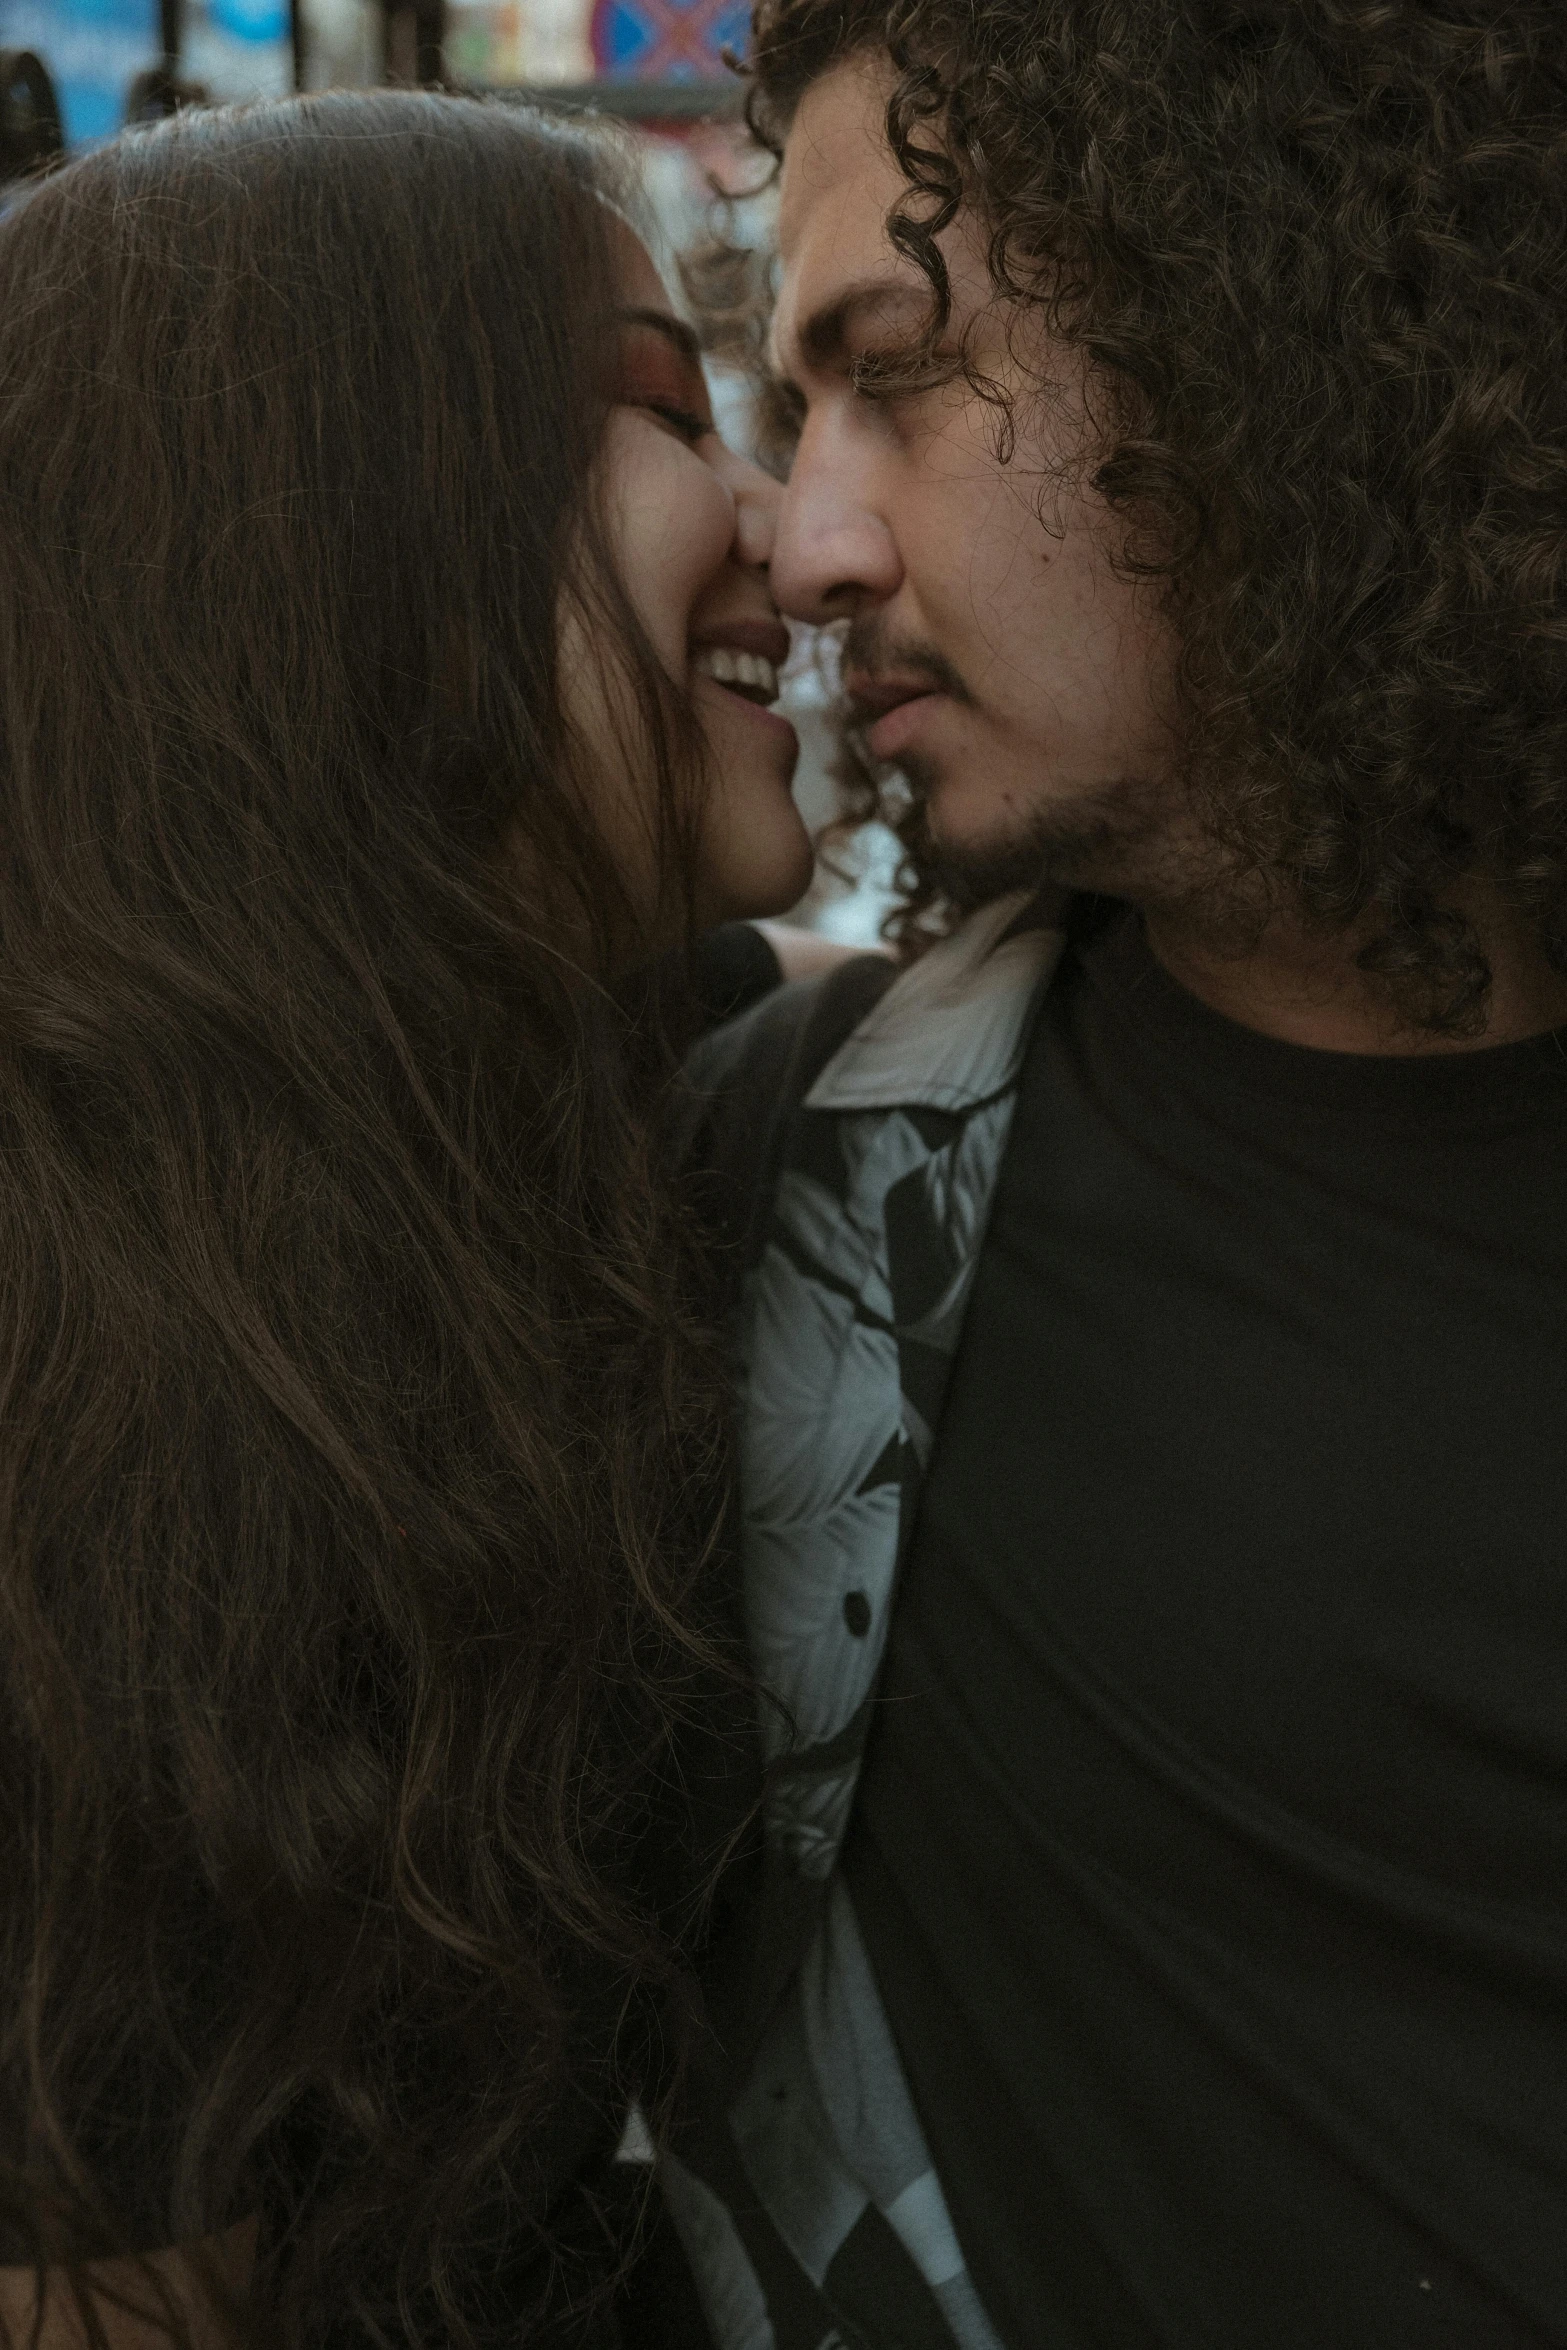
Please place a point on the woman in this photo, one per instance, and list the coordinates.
(384, 636)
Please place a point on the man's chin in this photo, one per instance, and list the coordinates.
(971, 871)
(1099, 841)
(971, 875)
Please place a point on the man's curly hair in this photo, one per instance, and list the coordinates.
(1317, 251)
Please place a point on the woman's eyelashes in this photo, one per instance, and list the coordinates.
(659, 375)
(691, 427)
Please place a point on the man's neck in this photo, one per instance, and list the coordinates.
(1307, 990)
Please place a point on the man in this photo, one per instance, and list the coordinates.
(1155, 1320)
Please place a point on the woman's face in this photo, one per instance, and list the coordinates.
(690, 528)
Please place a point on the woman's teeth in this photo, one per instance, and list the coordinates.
(750, 674)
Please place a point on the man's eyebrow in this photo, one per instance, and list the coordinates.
(823, 337)
(674, 330)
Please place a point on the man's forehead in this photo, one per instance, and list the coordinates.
(840, 181)
(836, 155)
(841, 270)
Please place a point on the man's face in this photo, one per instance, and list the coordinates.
(995, 655)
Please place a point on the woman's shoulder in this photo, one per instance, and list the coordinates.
(746, 1079)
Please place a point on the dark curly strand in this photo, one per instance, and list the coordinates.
(353, 1438)
(1318, 249)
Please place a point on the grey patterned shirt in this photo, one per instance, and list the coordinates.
(808, 2205)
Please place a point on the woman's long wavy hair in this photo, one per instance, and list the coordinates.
(355, 1446)
(1316, 251)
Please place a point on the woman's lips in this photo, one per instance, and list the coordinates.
(761, 638)
(780, 726)
(756, 710)
(753, 633)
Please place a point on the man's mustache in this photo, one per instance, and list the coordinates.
(871, 652)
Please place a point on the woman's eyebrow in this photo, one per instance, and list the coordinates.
(674, 330)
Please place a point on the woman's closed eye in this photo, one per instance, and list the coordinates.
(660, 371)
(691, 427)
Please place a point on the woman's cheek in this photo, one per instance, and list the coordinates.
(671, 526)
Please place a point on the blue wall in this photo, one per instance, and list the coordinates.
(94, 50)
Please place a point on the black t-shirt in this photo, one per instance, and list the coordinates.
(1212, 1845)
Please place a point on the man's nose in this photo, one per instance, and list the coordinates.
(833, 554)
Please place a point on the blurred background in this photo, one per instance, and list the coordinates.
(73, 72)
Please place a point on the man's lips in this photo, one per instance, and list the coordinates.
(890, 710)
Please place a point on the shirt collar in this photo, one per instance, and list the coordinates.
(949, 1033)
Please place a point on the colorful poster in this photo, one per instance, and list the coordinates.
(668, 40)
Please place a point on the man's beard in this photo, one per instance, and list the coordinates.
(1106, 841)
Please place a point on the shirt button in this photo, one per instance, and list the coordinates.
(857, 1613)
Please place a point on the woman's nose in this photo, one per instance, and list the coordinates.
(756, 497)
